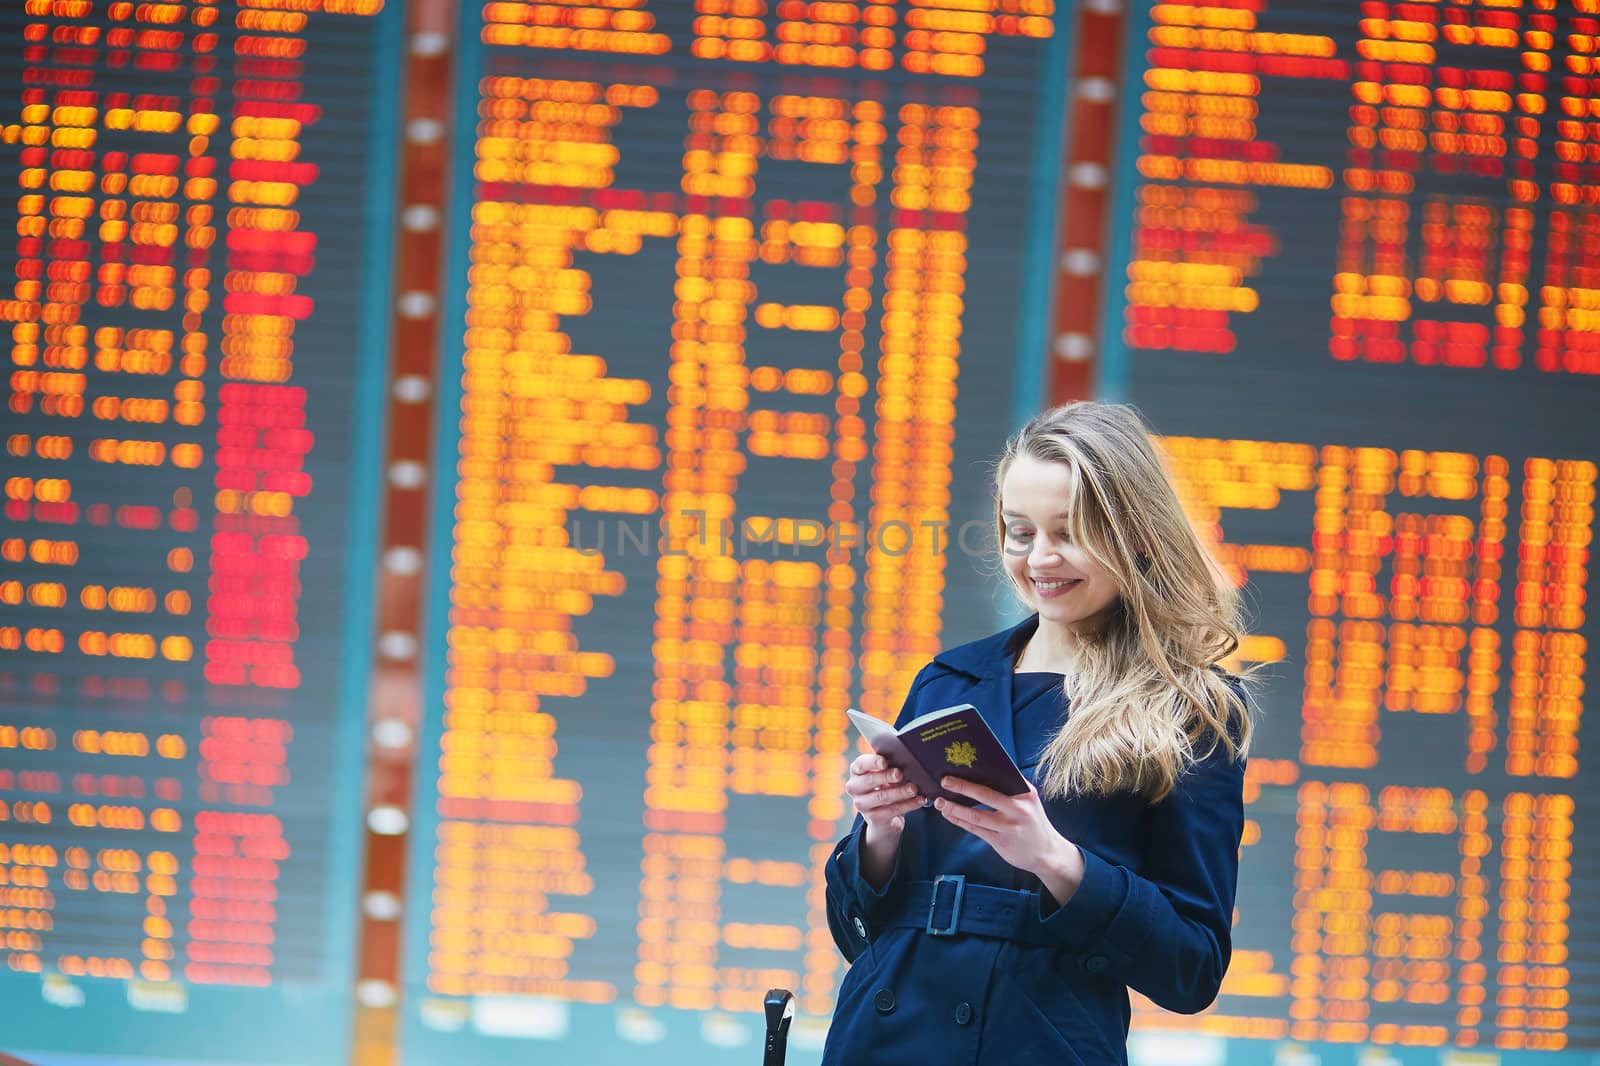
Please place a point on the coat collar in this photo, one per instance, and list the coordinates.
(991, 656)
(992, 661)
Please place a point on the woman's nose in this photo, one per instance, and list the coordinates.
(1041, 551)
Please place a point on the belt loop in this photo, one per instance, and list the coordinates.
(960, 883)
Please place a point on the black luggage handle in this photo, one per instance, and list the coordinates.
(780, 1012)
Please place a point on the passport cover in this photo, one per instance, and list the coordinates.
(952, 740)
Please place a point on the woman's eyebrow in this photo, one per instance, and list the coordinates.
(1019, 514)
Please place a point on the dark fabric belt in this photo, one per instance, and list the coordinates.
(950, 906)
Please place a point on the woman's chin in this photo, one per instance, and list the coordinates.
(1072, 616)
(1059, 614)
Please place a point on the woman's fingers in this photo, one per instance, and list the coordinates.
(892, 816)
(886, 798)
(868, 763)
(974, 791)
(859, 784)
(968, 818)
(867, 783)
(881, 793)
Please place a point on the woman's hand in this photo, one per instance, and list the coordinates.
(882, 796)
(883, 799)
(1019, 831)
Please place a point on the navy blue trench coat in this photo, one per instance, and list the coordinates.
(960, 958)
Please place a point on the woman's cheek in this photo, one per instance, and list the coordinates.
(1016, 563)
(1079, 560)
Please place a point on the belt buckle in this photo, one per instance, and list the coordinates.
(960, 882)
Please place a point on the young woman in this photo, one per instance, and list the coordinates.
(1010, 932)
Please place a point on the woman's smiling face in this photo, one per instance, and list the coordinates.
(1057, 577)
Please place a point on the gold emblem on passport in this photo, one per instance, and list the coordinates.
(961, 754)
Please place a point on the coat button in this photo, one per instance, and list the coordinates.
(963, 1013)
(884, 1001)
(1097, 964)
(861, 928)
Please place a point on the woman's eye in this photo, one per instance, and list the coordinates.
(1020, 534)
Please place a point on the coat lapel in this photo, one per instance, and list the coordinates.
(999, 715)
(990, 662)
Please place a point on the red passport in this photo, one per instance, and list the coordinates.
(953, 741)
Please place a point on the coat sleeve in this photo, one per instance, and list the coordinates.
(1167, 931)
(852, 901)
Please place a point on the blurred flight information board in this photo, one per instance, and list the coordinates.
(1355, 280)
(193, 325)
(738, 292)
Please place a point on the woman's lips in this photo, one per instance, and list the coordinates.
(1051, 588)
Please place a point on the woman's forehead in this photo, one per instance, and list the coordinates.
(1038, 485)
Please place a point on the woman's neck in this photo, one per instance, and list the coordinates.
(1052, 648)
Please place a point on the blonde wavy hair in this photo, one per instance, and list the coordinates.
(1147, 700)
